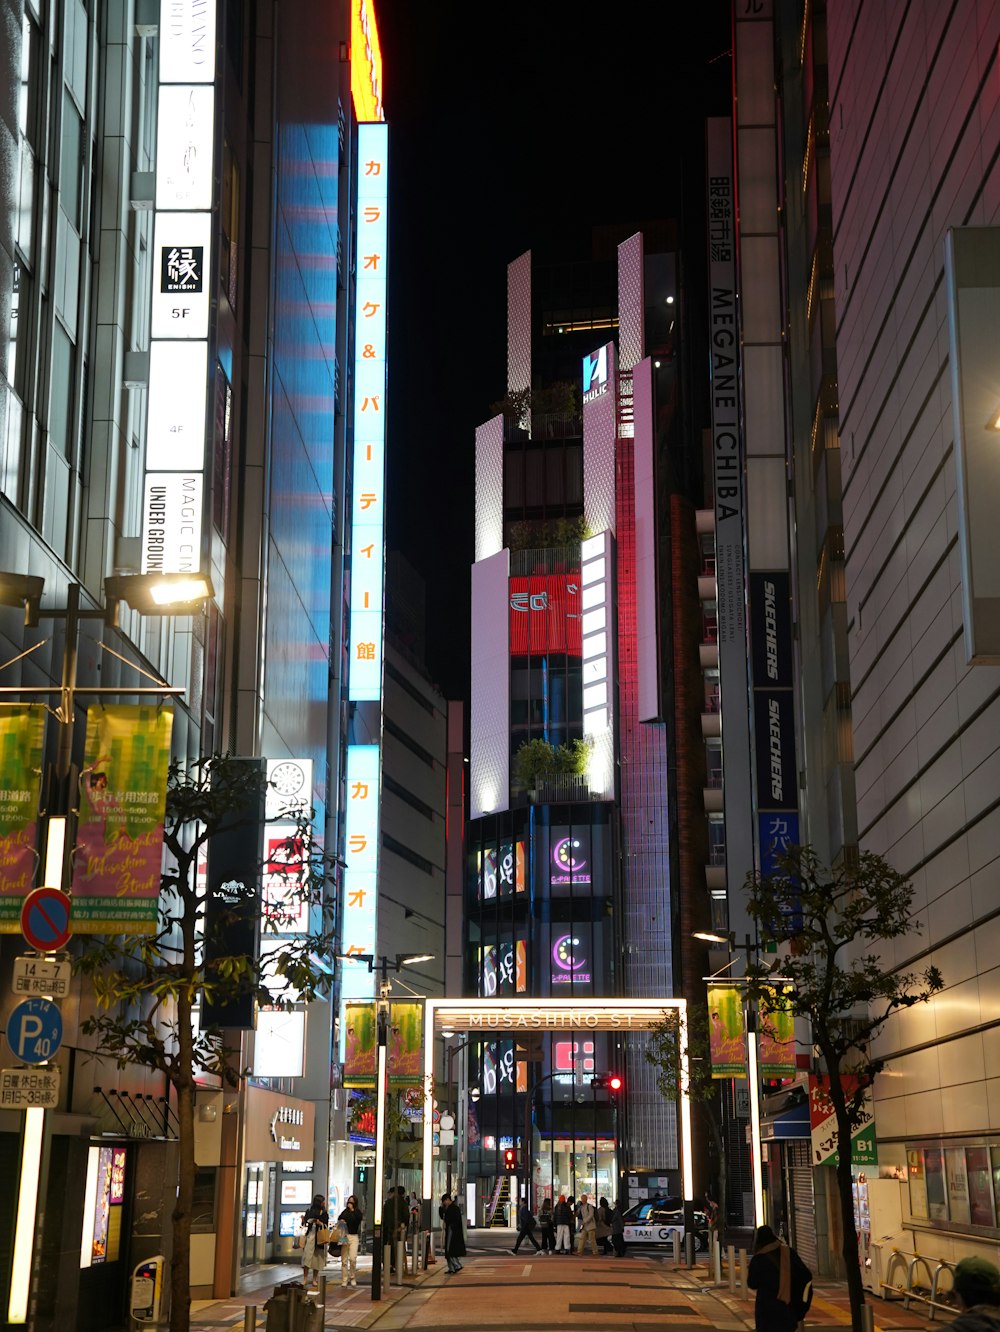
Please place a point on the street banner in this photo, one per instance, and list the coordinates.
(21, 736)
(119, 842)
(406, 1043)
(359, 1051)
(823, 1124)
(776, 1048)
(726, 1032)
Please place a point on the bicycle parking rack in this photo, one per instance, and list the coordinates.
(913, 1263)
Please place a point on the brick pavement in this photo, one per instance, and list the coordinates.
(530, 1293)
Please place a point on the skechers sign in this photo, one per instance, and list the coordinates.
(595, 375)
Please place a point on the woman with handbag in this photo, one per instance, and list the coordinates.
(349, 1222)
(317, 1224)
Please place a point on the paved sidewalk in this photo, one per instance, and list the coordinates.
(532, 1293)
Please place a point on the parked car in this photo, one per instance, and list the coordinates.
(654, 1221)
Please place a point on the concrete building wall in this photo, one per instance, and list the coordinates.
(915, 123)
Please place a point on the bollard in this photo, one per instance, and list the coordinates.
(675, 1236)
(688, 1249)
(867, 1318)
(250, 1318)
(731, 1264)
(322, 1291)
(717, 1259)
(400, 1260)
(744, 1273)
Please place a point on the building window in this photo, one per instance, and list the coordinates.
(61, 390)
(71, 162)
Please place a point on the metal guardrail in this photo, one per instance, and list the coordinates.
(914, 1263)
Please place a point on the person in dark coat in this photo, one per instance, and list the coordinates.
(977, 1285)
(525, 1228)
(564, 1225)
(618, 1230)
(316, 1218)
(454, 1240)
(782, 1281)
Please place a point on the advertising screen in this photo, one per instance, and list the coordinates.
(545, 614)
(290, 1223)
(501, 870)
(570, 857)
(503, 969)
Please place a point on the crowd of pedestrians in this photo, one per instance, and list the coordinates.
(602, 1228)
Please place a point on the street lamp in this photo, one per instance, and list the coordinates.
(26, 590)
(381, 1087)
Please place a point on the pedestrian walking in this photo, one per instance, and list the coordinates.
(349, 1222)
(588, 1225)
(317, 1226)
(977, 1285)
(547, 1227)
(782, 1281)
(604, 1225)
(564, 1225)
(525, 1227)
(618, 1229)
(454, 1241)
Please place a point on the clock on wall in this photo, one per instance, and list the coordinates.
(288, 778)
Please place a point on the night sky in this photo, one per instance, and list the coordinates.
(512, 127)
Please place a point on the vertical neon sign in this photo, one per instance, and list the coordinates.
(360, 875)
(368, 503)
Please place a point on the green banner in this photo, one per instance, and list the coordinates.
(726, 1032)
(406, 1042)
(22, 731)
(119, 842)
(359, 1047)
(776, 1050)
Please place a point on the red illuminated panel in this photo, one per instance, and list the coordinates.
(545, 614)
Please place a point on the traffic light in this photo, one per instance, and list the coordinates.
(612, 1082)
(509, 1160)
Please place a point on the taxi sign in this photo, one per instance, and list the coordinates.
(24, 1088)
(34, 1031)
(46, 977)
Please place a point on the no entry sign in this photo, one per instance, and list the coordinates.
(45, 919)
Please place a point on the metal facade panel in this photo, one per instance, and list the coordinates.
(519, 324)
(631, 302)
(730, 519)
(489, 748)
(489, 488)
(599, 434)
(647, 601)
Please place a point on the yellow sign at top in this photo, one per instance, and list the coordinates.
(366, 63)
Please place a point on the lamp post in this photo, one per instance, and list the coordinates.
(381, 1087)
(150, 594)
(753, 1061)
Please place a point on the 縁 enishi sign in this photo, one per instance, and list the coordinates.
(551, 1015)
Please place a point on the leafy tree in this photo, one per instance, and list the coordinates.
(538, 759)
(664, 1052)
(147, 989)
(834, 922)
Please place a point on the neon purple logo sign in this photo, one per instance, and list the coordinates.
(567, 962)
(569, 862)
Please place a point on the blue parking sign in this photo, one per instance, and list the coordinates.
(34, 1031)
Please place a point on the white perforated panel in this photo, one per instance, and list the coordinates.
(599, 435)
(489, 488)
(489, 714)
(519, 324)
(631, 303)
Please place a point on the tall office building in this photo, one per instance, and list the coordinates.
(586, 846)
(192, 381)
(864, 256)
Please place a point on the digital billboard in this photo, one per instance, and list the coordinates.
(501, 870)
(545, 614)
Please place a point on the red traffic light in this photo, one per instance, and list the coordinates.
(509, 1159)
(615, 1082)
